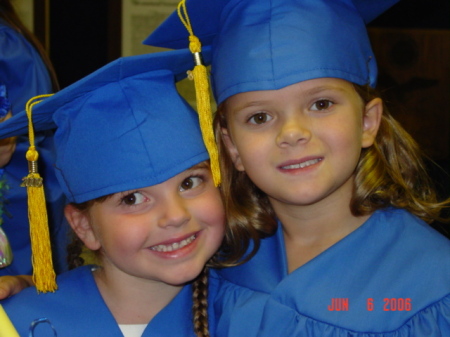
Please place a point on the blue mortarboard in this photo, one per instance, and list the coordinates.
(266, 45)
(123, 127)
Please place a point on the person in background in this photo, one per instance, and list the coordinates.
(25, 72)
(329, 187)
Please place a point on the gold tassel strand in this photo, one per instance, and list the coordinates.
(44, 275)
(200, 76)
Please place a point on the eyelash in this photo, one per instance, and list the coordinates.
(322, 100)
(128, 194)
(251, 119)
(267, 117)
(193, 176)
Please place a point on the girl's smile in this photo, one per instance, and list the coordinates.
(176, 245)
(179, 249)
(300, 165)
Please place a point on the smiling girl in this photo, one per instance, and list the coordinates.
(331, 192)
(301, 144)
(131, 160)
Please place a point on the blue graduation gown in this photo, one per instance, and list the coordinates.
(390, 277)
(25, 75)
(77, 309)
(235, 310)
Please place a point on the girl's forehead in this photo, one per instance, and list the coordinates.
(305, 88)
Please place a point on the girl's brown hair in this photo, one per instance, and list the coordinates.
(391, 173)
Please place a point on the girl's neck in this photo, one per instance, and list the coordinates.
(311, 229)
(133, 300)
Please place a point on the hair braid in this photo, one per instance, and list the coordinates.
(200, 304)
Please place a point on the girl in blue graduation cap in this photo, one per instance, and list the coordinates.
(329, 187)
(131, 160)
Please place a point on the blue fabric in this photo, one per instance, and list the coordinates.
(129, 115)
(25, 75)
(77, 309)
(21, 68)
(392, 256)
(270, 44)
(237, 311)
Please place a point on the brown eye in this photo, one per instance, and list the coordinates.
(190, 183)
(322, 104)
(133, 199)
(259, 118)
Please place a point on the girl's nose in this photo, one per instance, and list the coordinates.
(175, 213)
(295, 130)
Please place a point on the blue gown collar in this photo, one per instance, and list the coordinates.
(265, 270)
(175, 319)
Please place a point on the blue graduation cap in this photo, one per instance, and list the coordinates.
(123, 127)
(267, 45)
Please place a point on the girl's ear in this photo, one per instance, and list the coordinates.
(231, 148)
(371, 121)
(81, 225)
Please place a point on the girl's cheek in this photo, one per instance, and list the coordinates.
(217, 212)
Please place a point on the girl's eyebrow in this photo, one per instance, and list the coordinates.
(312, 91)
(249, 105)
(317, 90)
(202, 165)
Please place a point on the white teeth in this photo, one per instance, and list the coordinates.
(174, 246)
(302, 165)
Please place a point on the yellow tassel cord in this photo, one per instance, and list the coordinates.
(43, 274)
(200, 77)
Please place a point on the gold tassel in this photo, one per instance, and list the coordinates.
(200, 76)
(44, 276)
